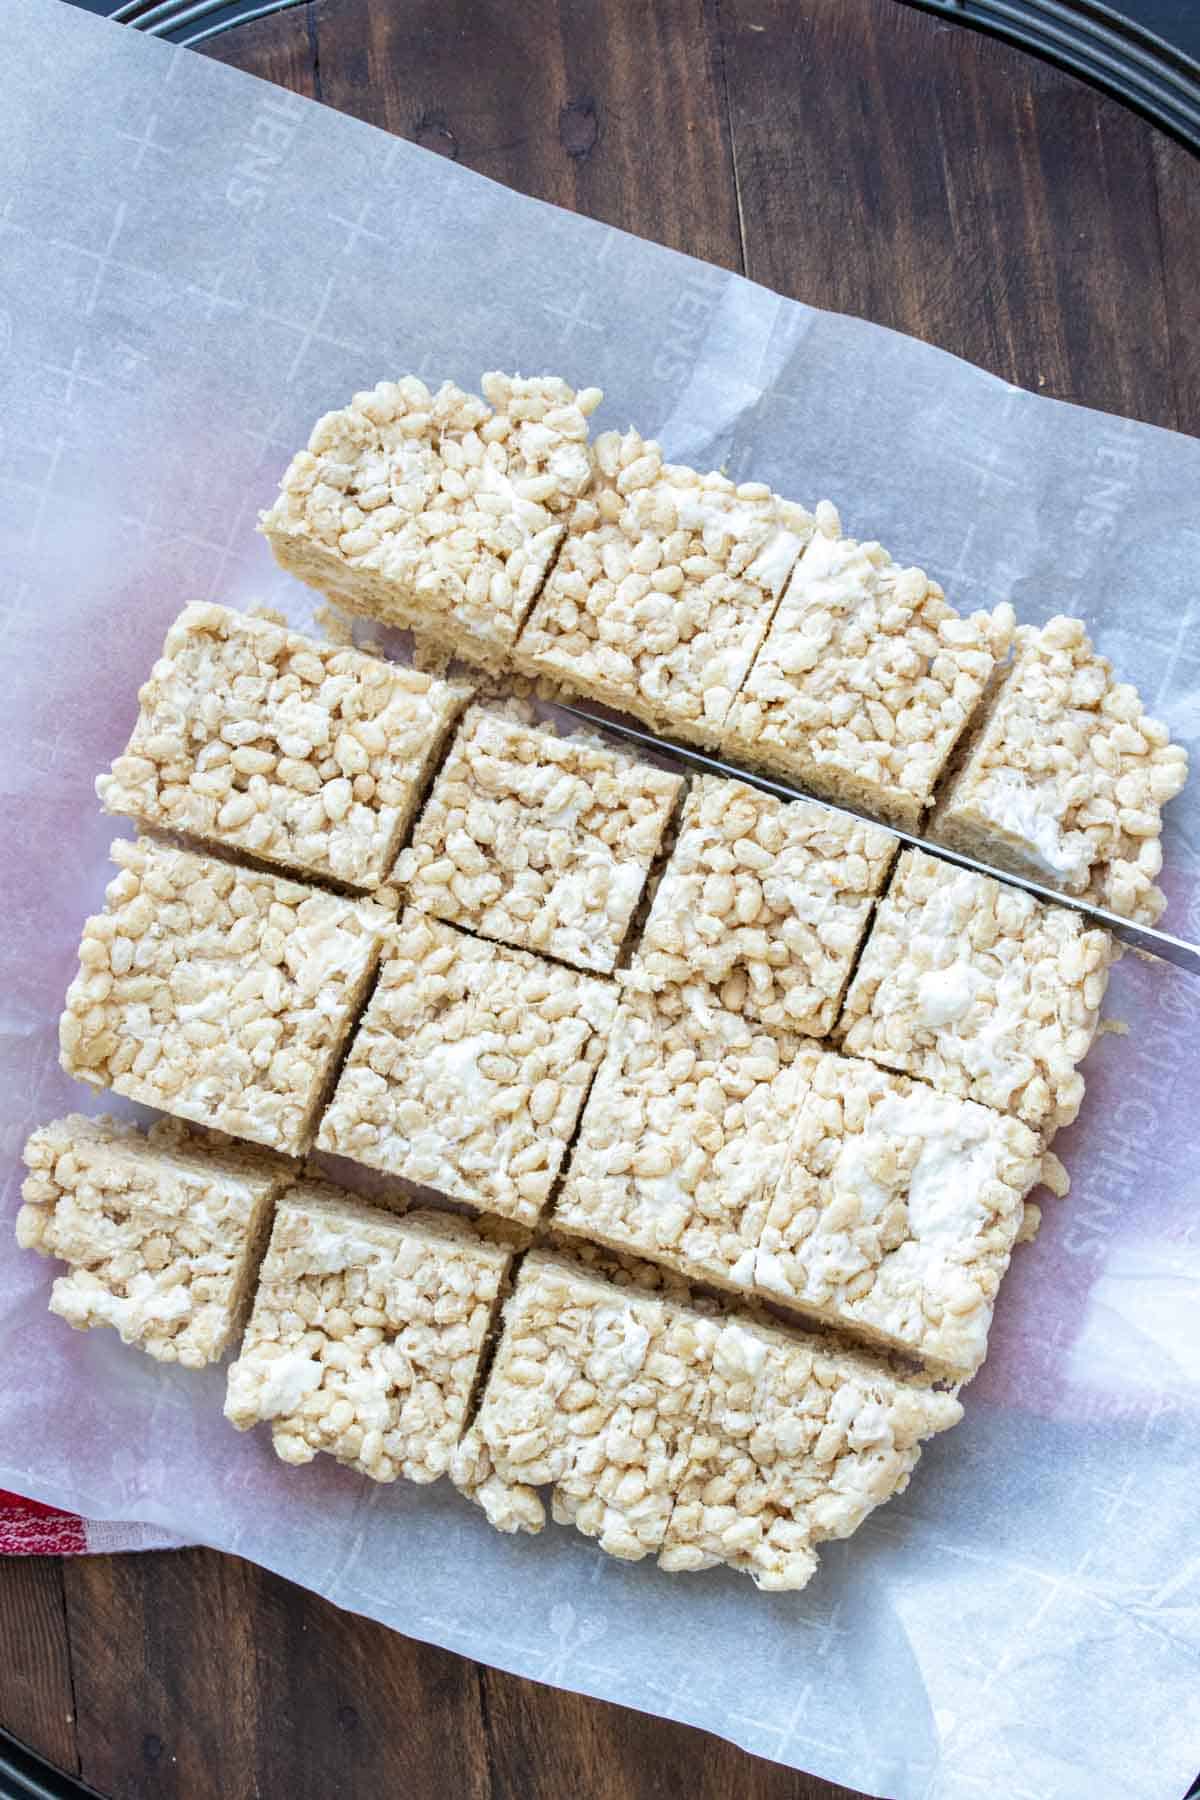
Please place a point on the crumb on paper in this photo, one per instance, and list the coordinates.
(1053, 1175)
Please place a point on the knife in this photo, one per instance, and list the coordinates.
(1138, 937)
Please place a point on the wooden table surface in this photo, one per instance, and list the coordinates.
(855, 154)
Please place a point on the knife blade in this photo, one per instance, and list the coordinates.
(1144, 938)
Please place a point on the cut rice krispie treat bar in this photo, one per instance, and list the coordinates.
(856, 1196)
(218, 994)
(309, 755)
(595, 1391)
(161, 1231)
(865, 681)
(709, 1439)
(684, 1134)
(663, 589)
(367, 1334)
(1065, 779)
(979, 990)
(799, 1442)
(896, 1213)
(538, 841)
(470, 1068)
(767, 901)
(440, 511)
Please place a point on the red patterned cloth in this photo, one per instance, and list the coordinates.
(27, 1528)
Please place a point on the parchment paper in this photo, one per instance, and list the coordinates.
(193, 265)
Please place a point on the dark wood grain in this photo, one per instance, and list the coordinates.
(855, 154)
(1177, 173)
(605, 106)
(547, 1746)
(36, 1702)
(279, 50)
(938, 181)
(198, 1674)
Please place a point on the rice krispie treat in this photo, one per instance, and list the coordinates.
(161, 1231)
(470, 1068)
(767, 901)
(707, 1438)
(309, 755)
(366, 1335)
(663, 589)
(979, 990)
(216, 993)
(538, 841)
(440, 511)
(895, 1213)
(595, 1391)
(684, 1134)
(800, 1441)
(1065, 778)
(865, 681)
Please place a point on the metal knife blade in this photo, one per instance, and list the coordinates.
(1138, 937)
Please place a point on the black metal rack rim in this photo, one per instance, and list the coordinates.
(1091, 40)
(24, 1775)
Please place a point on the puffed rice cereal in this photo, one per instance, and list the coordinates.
(767, 901)
(538, 841)
(1065, 778)
(309, 755)
(707, 1439)
(161, 1231)
(895, 1213)
(470, 1068)
(366, 1336)
(442, 511)
(799, 1442)
(866, 679)
(684, 1134)
(979, 990)
(216, 993)
(663, 589)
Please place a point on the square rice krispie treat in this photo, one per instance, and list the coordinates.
(470, 1068)
(865, 681)
(309, 755)
(800, 1441)
(895, 1213)
(367, 1334)
(219, 994)
(663, 589)
(595, 1391)
(440, 511)
(767, 901)
(684, 1134)
(538, 841)
(1065, 777)
(161, 1231)
(979, 990)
